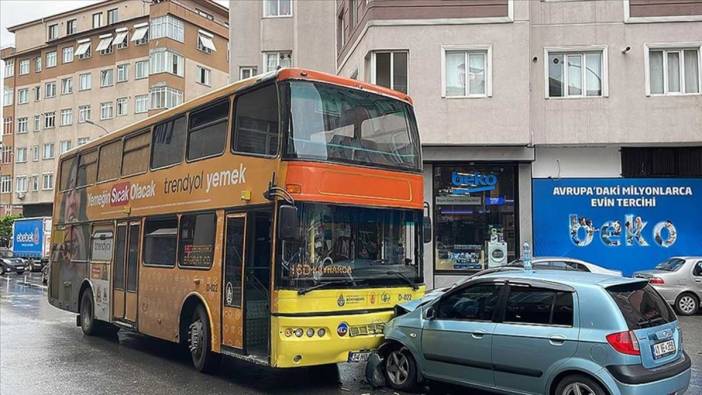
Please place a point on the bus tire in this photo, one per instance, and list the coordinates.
(87, 314)
(200, 343)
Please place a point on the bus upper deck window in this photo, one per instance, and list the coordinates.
(168, 143)
(256, 122)
(68, 173)
(208, 130)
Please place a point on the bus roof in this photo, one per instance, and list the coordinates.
(279, 75)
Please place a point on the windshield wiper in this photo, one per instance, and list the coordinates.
(649, 322)
(303, 291)
(414, 285)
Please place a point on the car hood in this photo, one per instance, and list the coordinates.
(428, 297)
(13, 261)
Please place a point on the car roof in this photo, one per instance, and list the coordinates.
(570, 278)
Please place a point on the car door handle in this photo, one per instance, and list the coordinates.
(697, 280)
(478, 334)
(557, 340)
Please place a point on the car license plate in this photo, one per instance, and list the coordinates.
(663, 348)
(20, 267)
(358, 356)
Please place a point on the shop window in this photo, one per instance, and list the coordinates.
(160, 240)
(661, 162)
(197, 235)
(168, 143)
(475, 213)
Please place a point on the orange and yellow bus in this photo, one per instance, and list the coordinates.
(277, 219)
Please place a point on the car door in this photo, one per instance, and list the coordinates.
(456, 343)
(697, 277)
(538, 329)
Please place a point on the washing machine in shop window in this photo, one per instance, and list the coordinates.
(497, 253)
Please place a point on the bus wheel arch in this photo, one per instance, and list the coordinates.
(195, 314)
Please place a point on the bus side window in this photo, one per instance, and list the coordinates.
(160, 241)
(197, 240)
(108, 165)
(168, 143)
(87, 168)
(136, 154)
(207, 133)
(68, 173)
(256, 122)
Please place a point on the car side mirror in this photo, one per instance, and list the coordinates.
(288, 223)
(430, 313)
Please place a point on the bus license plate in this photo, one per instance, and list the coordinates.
(358, 356)
(664, 348)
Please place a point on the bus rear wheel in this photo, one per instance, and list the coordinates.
(200, 342)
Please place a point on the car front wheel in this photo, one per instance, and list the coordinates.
(401, 369)
(687, 304)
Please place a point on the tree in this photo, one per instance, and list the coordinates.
(6, 229)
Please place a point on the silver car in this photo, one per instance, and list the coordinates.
(679, 281)
(567, 264)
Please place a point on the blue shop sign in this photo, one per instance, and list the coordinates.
(468, 183)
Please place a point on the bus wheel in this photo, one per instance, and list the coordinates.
(87, 316)
(200, 343)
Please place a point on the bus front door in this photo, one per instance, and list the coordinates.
(234, 260)
(124, 283)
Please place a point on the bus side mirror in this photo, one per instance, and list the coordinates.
(288, 223)
(426, 229)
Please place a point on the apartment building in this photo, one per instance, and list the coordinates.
(526, 103)
(74, 76)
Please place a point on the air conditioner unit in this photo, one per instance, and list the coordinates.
(20, 195)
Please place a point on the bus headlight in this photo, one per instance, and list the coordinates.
(310, 332)
(288, 332)
(321, 332)
(298, 332)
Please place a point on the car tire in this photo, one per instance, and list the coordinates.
(2, 270)
(687, 304)
(576, 384)
(200, 343)
(87, 314)
(400, 369)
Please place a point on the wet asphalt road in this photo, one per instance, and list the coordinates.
(42, 351)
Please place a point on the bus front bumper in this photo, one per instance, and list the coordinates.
(334, 338)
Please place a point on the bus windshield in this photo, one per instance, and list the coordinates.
(333, 123)
(360, 245)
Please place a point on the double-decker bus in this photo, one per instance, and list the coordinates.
(277, 219)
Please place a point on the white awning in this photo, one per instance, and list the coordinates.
(83, 48)
(206, 42)
(104, 43)
(120, 38)
(140, 33)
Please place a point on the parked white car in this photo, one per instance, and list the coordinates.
(565, 263)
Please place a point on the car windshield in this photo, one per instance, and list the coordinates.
(671, 265)
(354, 245)
(641, 305)
(332, 123)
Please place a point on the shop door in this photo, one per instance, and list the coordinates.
(234, 261)
(125, 272)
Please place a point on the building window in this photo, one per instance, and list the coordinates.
(122, 72)
(6, 154)
(23, 96)
(474, 215)
(22, 125)
(97, 20)
(51, 59)
(276, 60)
(50, 89)
(24, 67)
(205, 42)
(7, 96)
(67, 86)
(83, 113)
(141, 34)
(141, 69)
(141, 104)
(83, 140)
(71, 27)
(21, 156)
(49, 120)
(277, 8)
(49, 151)
(122, 103)
(35, 153)
(168, 26)
(37, 123)
(203, 75)
(37, 64)
(389, 69)
(674, 71)
(352, 13)
(8, 125)
(85, 81)
(121, 39)
(576, 74)
(47, 181)
(66, 117)
(21, 186)
(112, 16)
(68, 55)
(471, 82)
(5, 184)
(35, 183)
(340, 31)
(53, 32)
(165, 97)
(37, 93)
(106, 111)
(661, 162)
(83, 49)
(64, 146)
(105, 45)
(168, 143)
(9, 68)
(246, 72)
(164, 61)
(106, 78)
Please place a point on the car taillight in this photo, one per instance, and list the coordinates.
(624, 342)
(656, 281)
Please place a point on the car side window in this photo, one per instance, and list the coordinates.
(698, 269)
(475, 302)
(581, 267)
(528, 305)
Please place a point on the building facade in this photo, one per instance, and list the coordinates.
(74, 76)
(516, 97)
